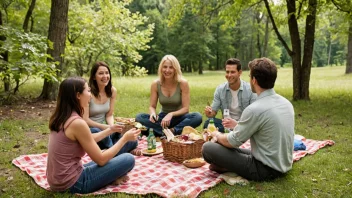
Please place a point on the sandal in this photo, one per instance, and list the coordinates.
(136, 152)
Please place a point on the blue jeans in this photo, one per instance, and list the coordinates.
(217, 123)
(95, 177)
(110, 140)
(177, 122)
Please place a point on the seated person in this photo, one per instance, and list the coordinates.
(268, 123)
(70, 139)
(99, 114)
(172, 91)
(234, 95)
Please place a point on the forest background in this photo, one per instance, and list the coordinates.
(55, 39)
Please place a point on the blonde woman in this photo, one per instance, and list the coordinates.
(172, 92)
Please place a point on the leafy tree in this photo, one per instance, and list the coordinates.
(23, 54)
(107, 31)
(346, 7)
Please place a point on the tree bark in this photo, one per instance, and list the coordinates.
(5, 58)
(308, 49)
(266, 37)
(28, 15)
(301, 70)
(296, 48)
(57, 35)
(349, 49)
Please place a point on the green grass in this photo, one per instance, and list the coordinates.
(328, 115)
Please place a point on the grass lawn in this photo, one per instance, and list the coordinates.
(328, 115)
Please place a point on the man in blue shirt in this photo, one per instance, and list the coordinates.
(234, 95)
(268, 123)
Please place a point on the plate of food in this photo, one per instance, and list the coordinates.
(194, 163)
(157, 152)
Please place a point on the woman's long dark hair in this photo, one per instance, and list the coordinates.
(67, 102)
(93, 83)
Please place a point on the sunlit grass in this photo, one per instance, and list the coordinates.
(328, 115)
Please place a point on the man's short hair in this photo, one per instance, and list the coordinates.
(234, 61)
(264, 71)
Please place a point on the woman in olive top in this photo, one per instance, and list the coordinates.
(172, 91)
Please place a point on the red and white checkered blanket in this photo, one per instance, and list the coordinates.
(154, 174)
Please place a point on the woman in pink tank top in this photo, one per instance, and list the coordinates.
(70, 139)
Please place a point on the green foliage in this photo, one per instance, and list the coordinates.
(27, 56)
(106, 31)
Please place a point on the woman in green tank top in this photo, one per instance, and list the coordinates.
(172, 92)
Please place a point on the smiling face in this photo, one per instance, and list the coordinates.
(168, 70)
(102, 76)
(233, 75)
(84, 97)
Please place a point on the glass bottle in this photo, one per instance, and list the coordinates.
(211, 125)
(151, 142)
(227, 115)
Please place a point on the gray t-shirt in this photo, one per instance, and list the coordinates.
(269, 124)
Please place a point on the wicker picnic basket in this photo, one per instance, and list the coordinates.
(179, 152)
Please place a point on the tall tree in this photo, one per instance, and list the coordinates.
(57, 35)
(301, 67)
(28, 15)
(346, 6)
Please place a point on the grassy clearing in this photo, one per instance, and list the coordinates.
(328, 115)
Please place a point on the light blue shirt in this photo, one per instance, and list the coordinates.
(269, 124)
(223, 97)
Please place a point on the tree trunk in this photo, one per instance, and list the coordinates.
(57, 35)
(5, 58)
(296, 49)
(349, 49)
(266, 37)
(28, 16)
(308, 49)
(301, 71)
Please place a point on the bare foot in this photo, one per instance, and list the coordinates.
(136, 152)
(121, 180)
(218, 169)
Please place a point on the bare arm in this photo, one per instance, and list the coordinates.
(79, 131)
(221, 138)
(153, 100)
(109, 117)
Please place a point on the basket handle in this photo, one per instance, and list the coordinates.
(169, 134)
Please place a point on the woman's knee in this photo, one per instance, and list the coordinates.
(128, 160)
(141, 116)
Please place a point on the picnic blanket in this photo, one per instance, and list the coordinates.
(154, 174)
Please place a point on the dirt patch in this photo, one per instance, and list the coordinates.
(29, 110)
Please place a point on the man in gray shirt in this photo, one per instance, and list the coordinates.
(268, 123)
(234, 95)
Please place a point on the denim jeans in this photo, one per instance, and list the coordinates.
(217, 123)
(239, 161)
(95, 177)
(177, 122)
(110, 140)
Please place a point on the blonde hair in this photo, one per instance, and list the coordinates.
(178, 75)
